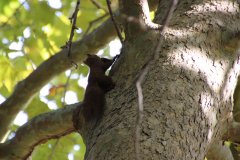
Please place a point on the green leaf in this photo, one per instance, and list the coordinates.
(41, 12)
(4, 92)
(59, 149)
(3, 4)
(7, 73)
(84, 70)
(36, 107)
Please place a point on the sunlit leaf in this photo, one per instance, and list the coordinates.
(36, 107)
(40, 11)
(59, 149)
(56, 89)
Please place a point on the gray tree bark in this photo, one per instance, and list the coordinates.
(188, 91)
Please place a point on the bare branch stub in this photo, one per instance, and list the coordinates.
(114, 21)
(144, 72)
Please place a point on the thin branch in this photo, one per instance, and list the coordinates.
(93, 22)
(142, 75)
(73, 20)
(27, 57)
(98, 5)
(50, 157)
(65, 88)
(14, 13)
(114, 22)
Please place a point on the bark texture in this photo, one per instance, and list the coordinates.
(188, 91)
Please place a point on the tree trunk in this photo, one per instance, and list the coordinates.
(188, 90)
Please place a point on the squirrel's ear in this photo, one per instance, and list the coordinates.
(88, 55)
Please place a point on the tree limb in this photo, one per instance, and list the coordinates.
(56, 64)
(38, 130)
(136, 14)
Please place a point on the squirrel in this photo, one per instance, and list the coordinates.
(98, 85)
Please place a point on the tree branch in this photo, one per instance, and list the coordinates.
(114, 22)
(137, 17)
(98, 5)
(92, 23)
(56, 64)
(38, 130)
(14, 14)
(73, 20)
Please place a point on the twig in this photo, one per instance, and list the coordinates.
(29, 59)
(114, 21)
(65, 88)
(93, 22)
(73, 20)
(50, 157)
(14, 13)
(142, 75)
(98, 5)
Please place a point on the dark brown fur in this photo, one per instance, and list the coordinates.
(98, 85)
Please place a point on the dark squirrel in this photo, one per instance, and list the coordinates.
(98, 85)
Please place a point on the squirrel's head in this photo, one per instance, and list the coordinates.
(92, 60)
(97, 62)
